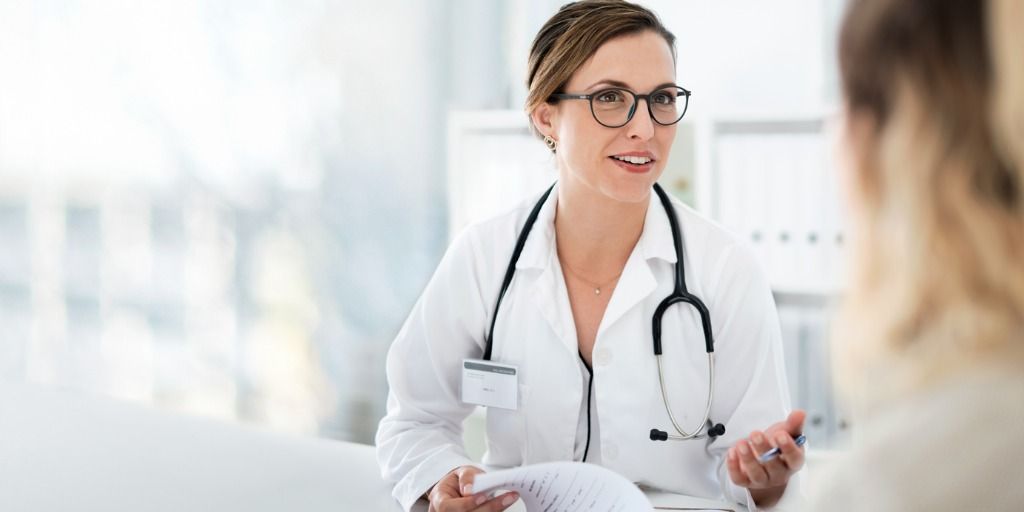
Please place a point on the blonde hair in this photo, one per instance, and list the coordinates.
(938, 262)
(574, 34)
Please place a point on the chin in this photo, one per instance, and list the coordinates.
(630, 191)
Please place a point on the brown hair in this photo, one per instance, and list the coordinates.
(938, 279)
(572, 36)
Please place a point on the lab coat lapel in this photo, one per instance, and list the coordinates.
(636, 283)
(553, 302)
(637, 280)
(548, 291)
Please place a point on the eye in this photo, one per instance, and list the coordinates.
(663, 98)
(610, 96)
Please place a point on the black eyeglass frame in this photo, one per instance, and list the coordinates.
(636, 100)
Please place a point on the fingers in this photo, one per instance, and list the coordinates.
(775, 468)
(742, 459)
(732, 461)
(745, 468)
(795, 422)
(477, 503)
(444, 489)
(752, 469)
(498, 503)
(466, 474)
(448, 496)
(442, 503)
(466, 477)
(792, 455)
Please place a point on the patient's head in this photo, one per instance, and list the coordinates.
(934, 132)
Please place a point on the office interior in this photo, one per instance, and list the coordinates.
(226, 210)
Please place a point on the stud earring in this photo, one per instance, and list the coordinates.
(550, 142)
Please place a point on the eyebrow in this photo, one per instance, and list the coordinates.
(624, 85)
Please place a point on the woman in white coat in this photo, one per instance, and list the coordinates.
(576, 306)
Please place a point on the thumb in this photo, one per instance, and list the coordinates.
(795, 422)
(466, 476)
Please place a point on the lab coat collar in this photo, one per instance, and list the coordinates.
(540, 245)
(635, 284)
(655, 240)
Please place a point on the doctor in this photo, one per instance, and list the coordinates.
(565, 320)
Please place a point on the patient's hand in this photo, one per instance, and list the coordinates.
(454, 493)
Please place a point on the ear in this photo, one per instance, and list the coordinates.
(545, 119)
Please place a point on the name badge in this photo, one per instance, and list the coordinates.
(490, 384)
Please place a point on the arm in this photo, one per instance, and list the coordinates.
(419, 440)
(751, 390)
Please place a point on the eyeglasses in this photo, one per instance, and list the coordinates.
(615, 107)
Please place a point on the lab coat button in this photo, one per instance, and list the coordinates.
(602, 356)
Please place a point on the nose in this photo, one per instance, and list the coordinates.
(641, 126)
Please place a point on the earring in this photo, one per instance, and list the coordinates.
(550, 142)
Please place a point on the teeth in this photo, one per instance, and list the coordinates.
(638, 160)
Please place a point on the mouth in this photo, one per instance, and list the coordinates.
(636, 162)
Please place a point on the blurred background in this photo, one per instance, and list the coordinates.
(228, 208)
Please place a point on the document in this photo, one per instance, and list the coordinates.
(566, 487)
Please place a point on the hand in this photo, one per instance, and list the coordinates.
(453, 493)
(767, 481)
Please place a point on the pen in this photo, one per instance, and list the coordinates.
(774, 452)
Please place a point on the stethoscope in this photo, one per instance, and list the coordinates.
(679, 294)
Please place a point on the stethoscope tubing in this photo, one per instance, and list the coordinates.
(698, 431)
(679, 294)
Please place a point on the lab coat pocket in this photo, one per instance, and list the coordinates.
(507, 443)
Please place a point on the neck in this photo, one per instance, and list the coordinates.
(596, 234)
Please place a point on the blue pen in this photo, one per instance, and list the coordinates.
(774, 452)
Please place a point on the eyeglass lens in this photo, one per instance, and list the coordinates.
(615, 107)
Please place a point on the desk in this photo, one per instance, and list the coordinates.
(62, 451)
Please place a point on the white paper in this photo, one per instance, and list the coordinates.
(566, 487)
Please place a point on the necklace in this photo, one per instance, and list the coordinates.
(596, 286)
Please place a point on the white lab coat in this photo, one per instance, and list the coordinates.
(420, 438)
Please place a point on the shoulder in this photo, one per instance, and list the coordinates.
(961, 433)
(481, 251)
(497, 232)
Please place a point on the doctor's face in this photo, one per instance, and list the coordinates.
(590, 155)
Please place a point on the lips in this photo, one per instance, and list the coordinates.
(634, 161)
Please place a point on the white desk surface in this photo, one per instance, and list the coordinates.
(63, 451)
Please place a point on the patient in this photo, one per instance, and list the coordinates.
(930, 343)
